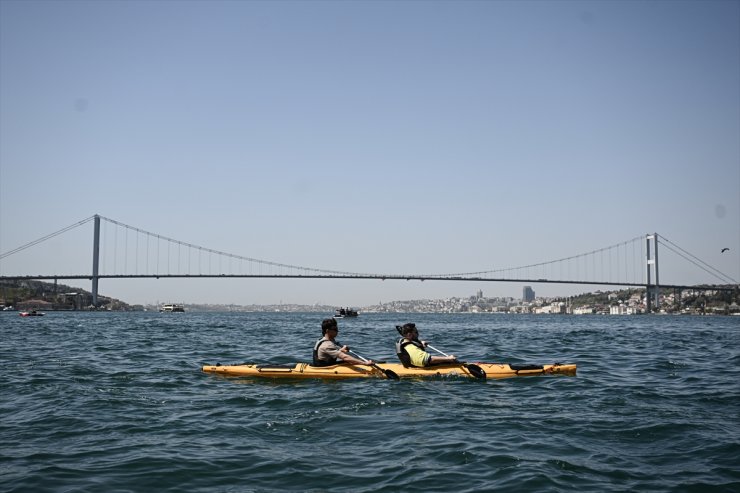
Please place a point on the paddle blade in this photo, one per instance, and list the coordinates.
(476, 370)
(389, 374)
(392, 375)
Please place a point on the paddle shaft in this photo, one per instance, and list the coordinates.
(388, 373)
(435, 349)
(358, 355)
(474, 369)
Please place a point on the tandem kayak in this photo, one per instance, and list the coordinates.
(385, 370)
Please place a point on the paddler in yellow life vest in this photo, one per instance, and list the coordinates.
(327, 351)
(411, 351)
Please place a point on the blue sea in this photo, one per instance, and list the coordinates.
(116, 402)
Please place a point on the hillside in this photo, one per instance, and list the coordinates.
(54, 296)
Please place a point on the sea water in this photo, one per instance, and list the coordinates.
(108, 402)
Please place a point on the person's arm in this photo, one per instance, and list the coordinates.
(443, 359)
(440, 359)
(347, 358)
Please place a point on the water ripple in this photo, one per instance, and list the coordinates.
(117, 402)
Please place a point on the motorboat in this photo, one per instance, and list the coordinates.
(32, 313)
(344, 313)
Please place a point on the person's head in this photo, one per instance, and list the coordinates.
(409, 330)
(329, 324)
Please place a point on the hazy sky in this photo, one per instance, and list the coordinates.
(382, 137)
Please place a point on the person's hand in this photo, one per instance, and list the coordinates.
(424, 343)
(370, 362)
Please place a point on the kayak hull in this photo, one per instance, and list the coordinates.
(343, 371)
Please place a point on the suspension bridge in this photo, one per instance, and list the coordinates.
(120, 251)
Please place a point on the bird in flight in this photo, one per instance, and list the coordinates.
(724, 250)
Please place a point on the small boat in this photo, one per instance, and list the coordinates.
(32, 313)
(171, 308)
(389, 370)
(344, 312)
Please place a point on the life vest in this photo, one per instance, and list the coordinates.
(401, 350)
(321, 362)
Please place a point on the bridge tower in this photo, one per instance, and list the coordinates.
(652, 291)
(96, 259)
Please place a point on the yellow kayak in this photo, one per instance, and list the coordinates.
(390, 370)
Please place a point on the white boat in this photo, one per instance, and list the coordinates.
(172, 307)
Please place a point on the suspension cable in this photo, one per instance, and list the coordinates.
(47, 237)
(698, 262)
(564, 259)
(230, 255)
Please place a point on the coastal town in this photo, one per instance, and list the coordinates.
(42, 296)
(624, 302)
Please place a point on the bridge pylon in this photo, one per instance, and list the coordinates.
(96, 260)
(652, 291)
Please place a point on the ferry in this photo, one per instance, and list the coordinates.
(171, 307)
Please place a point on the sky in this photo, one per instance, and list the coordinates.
(380, 137)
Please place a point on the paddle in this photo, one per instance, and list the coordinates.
(390, 374)
(474, 369)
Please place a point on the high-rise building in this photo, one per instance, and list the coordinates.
(527, 294)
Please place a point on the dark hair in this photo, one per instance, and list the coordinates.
(407, 329)
(327, 324)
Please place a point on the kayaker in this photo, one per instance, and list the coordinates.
(327, 351)
(411, 350)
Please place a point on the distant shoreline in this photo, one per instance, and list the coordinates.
(43, 296)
